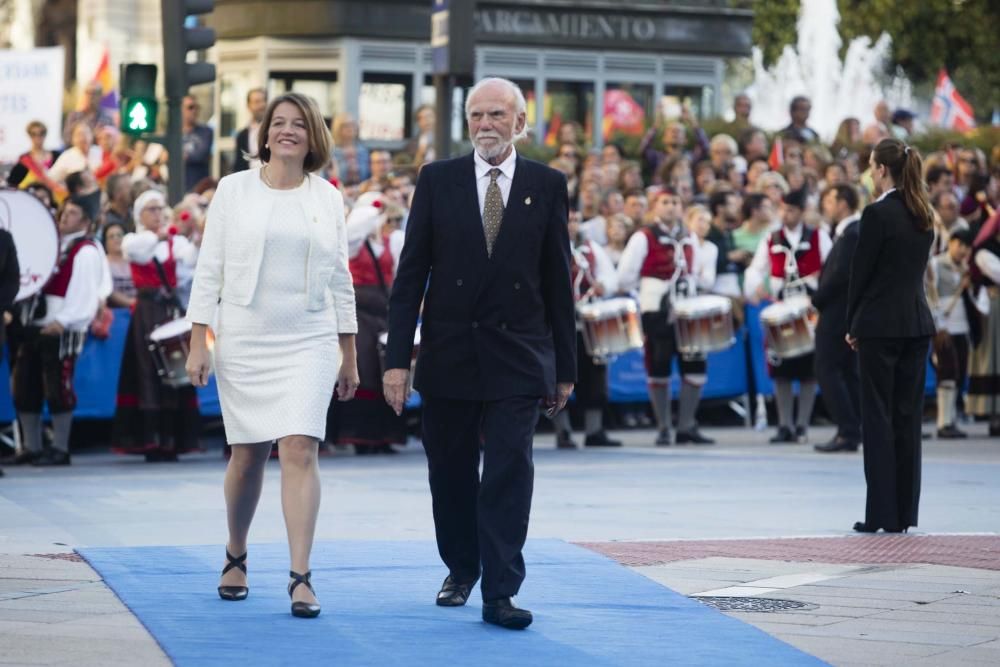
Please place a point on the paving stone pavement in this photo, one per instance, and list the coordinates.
(54, 610)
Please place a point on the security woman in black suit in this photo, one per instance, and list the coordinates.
(890, 325)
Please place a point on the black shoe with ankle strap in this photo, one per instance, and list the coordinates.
(234, 593)
(302, 609)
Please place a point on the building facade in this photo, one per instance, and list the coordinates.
(372, 58)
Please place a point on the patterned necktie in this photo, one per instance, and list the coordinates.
(492, 211)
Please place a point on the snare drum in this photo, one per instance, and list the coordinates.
(169, 344)
(703, 324)
(383, 343)
(610, 327)
(789, 327)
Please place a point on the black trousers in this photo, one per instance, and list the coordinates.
(591, 379)
(840, 381)
(40, 376)
(893, 373)
(481, 522)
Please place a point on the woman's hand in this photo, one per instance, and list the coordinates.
(348, 379)
(199, 361)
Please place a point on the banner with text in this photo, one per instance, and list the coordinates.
(31, 88)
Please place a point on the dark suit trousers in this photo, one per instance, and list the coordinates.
(481, 521)
(839, 379)
(892, 398)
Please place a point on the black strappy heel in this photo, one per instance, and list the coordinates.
(234, 593)
(302, 609)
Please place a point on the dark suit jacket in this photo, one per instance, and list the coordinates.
(242, 146)
(886, 297)
(493, 327)
(830, 297)
(10, 278)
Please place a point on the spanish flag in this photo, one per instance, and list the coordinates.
(103, 76)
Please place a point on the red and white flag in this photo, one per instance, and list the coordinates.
(949, 109)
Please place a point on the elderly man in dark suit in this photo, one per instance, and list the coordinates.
(836, 363)
(487, 252)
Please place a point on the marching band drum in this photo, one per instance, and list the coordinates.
(610, 327)
(789, 327)
(36, 238)
(703, 324)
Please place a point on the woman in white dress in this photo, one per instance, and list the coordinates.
(273, 280)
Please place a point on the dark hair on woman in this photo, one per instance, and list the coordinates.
(906, 168)
(751, 203)
(318, 137)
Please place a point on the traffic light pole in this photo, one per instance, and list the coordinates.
(174, 141)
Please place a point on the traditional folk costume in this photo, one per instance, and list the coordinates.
(592, 267)
(953, 310)
(367, 421)
(44, 364)
(769, 268)
(152, 418)
(984, 374)
(650, 262)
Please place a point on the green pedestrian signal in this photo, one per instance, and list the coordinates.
(138, 93)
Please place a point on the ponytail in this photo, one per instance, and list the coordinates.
(906, 168)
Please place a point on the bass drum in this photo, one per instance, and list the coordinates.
(35, 237)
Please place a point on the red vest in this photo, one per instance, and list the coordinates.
(145, 276)
(363, 270)
(660, 261)
(809, 259)
(59, 282)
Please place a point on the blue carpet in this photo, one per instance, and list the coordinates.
(378, 609)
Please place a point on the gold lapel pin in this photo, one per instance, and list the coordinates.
(527, 201)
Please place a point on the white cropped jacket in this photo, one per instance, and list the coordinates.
(232, 249)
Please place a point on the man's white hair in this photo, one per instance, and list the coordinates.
(520, 105)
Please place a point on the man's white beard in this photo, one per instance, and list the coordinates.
(488, 153)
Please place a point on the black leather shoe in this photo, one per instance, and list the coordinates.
(21, 458)
(52, 457)
(454, 593)
(506, 614)
(600, 439)
(693, 437)
(783, 435)
(862, 527)
(302, 609)
(234, 593)
(663, 438)
(801, 434)
(564, 440)
(838, 444)
(951, 432)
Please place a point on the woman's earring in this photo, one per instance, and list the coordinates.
(267, 147)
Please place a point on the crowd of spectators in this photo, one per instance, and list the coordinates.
(740, 176)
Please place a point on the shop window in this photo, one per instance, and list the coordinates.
(628, 109)
(697, 98)
(385, 107)
(568, 102)
(321, 86)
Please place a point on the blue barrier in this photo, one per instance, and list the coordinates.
(100, 362)
(727, 375)
(96, 377)
(758, 359)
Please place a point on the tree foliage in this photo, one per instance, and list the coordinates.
(958, 35)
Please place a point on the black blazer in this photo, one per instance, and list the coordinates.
(10, 279)
(242, 146)
(492, 327)
(886, 297)
(830, 297)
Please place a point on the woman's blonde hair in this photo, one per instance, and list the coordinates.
(319, 137)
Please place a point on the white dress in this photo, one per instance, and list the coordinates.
(275, 361)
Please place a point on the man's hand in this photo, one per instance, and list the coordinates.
(54, 328)
(558, 402)
(851, 341)
(396, 387)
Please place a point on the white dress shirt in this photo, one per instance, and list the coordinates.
(838, 231)
(77, 309)
(504, 180)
